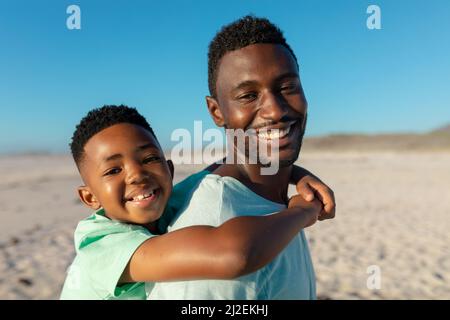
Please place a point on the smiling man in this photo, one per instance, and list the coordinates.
(257, 88)
(254, 85)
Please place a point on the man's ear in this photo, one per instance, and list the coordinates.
(214, 111)
(88, 198)
(171, 168)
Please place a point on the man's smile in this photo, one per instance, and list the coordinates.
(283, 132)
(277, 131)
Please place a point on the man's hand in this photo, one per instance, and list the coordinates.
(311, 208)
(310, 187)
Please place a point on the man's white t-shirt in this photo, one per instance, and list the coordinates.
(215, 200)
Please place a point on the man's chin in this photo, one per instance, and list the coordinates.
(285, 158)
(287, 163)
(282, 163)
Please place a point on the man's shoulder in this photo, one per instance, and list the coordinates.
(228, 190)
(202, 205)
(193, 182)
(214, 187)
(216, 199)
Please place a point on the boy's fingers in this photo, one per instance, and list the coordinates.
(327, 214)
(314, 188)
(328, 211)
(326, 196)
(306, 191)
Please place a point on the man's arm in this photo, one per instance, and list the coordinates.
(310, 186)
(237, 247)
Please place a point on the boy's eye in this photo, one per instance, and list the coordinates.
(152, 159)
(112, 171)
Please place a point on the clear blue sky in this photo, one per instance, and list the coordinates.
(152, 55)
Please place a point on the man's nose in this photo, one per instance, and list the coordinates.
(136, 174)
(274, 107)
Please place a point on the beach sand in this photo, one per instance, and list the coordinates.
(393, 216)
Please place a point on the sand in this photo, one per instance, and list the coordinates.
(393, 213)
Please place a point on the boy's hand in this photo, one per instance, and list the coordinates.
(311, 208)
(311, 187)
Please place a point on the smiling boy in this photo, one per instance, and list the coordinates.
(128, 183)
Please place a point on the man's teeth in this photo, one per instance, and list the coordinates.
(143, 196)
(274, 133)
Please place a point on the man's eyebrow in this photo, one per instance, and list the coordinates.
(249, 83)
(244, 84)
(287, 76)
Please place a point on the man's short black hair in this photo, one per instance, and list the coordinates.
(239, 34)
(101, 118)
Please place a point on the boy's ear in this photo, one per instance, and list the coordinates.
(214, 111)
(171, 168)
(88, 198)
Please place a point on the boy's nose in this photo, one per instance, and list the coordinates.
(137, 175)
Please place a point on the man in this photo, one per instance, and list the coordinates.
(254, 85)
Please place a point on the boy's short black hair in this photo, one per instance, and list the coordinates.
(239, 34)
(101, 118)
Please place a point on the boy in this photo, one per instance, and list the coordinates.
(128, 182)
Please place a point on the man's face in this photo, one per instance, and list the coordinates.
(258, 87)
(126, 174)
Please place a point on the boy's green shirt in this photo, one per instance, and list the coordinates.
(104, 247)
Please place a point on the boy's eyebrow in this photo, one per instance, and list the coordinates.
(146, 146)
(119, 156)
(113, 157)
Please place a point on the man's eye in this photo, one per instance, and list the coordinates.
(289, 88)
(152, 159)
(248, 96)
(112, 171)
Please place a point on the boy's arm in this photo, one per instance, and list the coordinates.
(238, 247)
(310, 186)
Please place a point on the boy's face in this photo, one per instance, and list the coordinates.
(126, 173)
(258, 87)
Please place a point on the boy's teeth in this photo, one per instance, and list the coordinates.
(143, 196)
